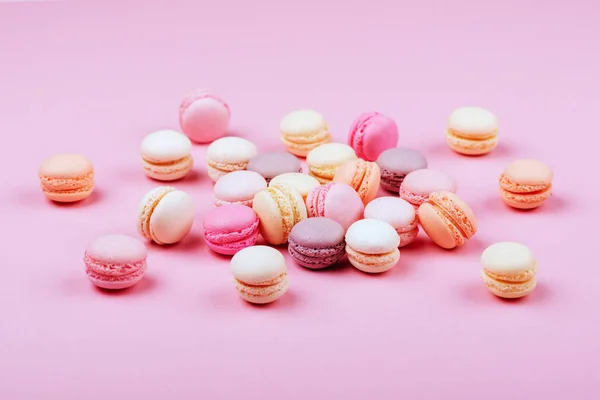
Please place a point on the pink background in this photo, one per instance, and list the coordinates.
(96, 78)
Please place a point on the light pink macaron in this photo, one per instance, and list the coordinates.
(336, 201)
(399, 213)
(372, 133)
(238, 187)
(419, 184)
(204, 117)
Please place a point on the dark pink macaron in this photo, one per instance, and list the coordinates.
(317, 243)
(271, 164)
(396, 163)
(230, 228)
(371, 133)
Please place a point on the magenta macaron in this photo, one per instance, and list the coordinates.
(372, 133)
(204, 117)
(115, 261)
(336, 201)
(317, 243)
(230, 228)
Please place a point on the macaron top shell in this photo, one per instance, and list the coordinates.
(425, 181)
(529, 172)
(372, 236)
(507, 258)
(395, 211)
(401, 160)
(271, 164)
(371, 133)
(66, 165)
(303, 122)
(473, 122)
(257, 264)
(239, 186)
(117, 249)
(317, 233)
(165, 145)
(231, 150)
(330, 154)
(229, 218)
(302, 182)
(204, 117)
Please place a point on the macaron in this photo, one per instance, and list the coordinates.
(371, 133)
(165, 215)
(67, 177)
(323, 161)
(166, 155)
(336, 201)
(238, 187)
(447, 219)
(230, 228)
(509, 270)
(204, 117)
(317, 243)
(274, 163)
(526, 184)
(302, 182)
(363, 176)
(472, 131)
(279, 208)
(419, 184)
(303, 130)
(396, 163)
(115, 261)
(229, 154)
(260, 274)
(372, 246)
(399, 213)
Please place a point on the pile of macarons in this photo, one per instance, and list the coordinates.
(319, 199)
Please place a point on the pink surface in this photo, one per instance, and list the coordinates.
(96, 78)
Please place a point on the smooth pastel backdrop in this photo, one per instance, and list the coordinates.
(95, 78)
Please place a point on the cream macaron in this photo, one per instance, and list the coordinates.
(229, 154)
(509, 270)
(324, 160)
(166, 155)
(303, 130)
(165, 215)
(472, 131)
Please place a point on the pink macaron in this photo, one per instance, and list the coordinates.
(204, 117)
(418, 185)
(115, 261)
(238, 187)
(336, 201)
(399, 213)
(371, 134)
(230, 228)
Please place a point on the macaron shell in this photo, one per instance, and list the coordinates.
(372, 236)
(507, 258)
(471, 147)
(370, 263)
(508, 290)
(231, 150)
(272, 164)
(262, 294)
(204, 117)
(396, 163)
(408, 237)
(371, 134)
(258, 264)
(419, 184)
(172, 218)
(117, 249)
(524, 201)
(324, 160)
(66, 165)
(528, 172)
(230, 228)
(165, 145)
(336, 201)
(473, 122)
(316, 258)
(363, 176)
(302, 182)
(238, 187)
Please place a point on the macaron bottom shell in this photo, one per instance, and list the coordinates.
(373, 263)
(168, 171)
(264, 292)
(508, 290)
(471, 146)
(313, 258)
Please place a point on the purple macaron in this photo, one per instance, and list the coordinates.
(271, 164)
(317, 243)
(396, 163)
